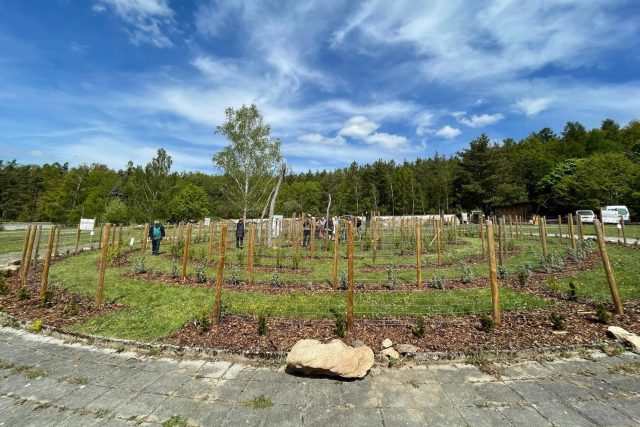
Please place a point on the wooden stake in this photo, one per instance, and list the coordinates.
(113, 237)
(481, 220)
(58, 240)
(350, 278)
(580, 232)
(37, 246)
(560, 227)
(173, 237)
(439, 237)
(500, 244)
(419, 254)
(77, 239)
(336, 253)
(103, 264)
(27, 260)
(219, 276)
(25, 245)
(211, 237)
(572, 235)
(120, 235)
(613, 287)
(543, 224)
(185, 254)
(47, 262)
(493, 275)
(624, 237)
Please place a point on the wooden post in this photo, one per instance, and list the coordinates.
(500, 243)
(572, 235)
(120, 235)
(543, 236)
(438, 225)
(560, 227)
(103, 264)
(624, 237)
(419, 254)
(58, 239)
(350, 278)
(27, 259)
(219, 276)
(480, 221)
(580, 232)
(173, 237)
(211, 237)
(77, 239)
(199, 230)
(47, 262)
(37, 246)
(113, 237)
(493, 274)
(25, 245)
(185, 253)
(613, 287)
(336, 254)
(250, 252)
(510, 227)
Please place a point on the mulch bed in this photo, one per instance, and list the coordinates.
(520, 330)
(53, 314)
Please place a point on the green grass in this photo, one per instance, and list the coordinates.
(260, 402)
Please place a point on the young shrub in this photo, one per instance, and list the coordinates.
(392, 279)
(467, 274)
(340, 322)
(523, 275)
(602, 314)
(202, 254)
(278, 258)
(419, 328)
(36, 326)
(234, 276)
(344, 280)
(174, 272)
(257, 257)
(177, 249)
(4, 289)
(557, 321)
(275, 279)
(201, 274)
(572, 295)
(240, 257)
(437, 282)
(71, 309)
(262, 324)
(295, 261)
(48, 298)
(22, 293)
(139, 266)
(203, 322)
(487, 324)
(502, 272)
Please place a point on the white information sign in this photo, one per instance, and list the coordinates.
(87, 224)
(610, 217)
(207, 221)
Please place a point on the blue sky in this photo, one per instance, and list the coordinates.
(112, 80)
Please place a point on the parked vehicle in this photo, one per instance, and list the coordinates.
(622, 211)
(586, 215)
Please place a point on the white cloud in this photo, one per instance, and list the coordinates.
(448, 132)
(475, 120)
(148, 18)
(533, 106)
(385, 140)
(423, 121)
(317, 139)
(358, 127)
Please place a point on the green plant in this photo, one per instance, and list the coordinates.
(240, 257)
(177, 249)
(419, 328)
(275, 279)
(278, 258)
(550, 263)
(295, 261)
(112, 254)
(174, 270)
(557, 321)
(4, 289)
(139, 266)
(437, 282)
(201, 274)
(47, 298)
(36, 326)
(175, 421)
(203, 322)
(344, 280)
(260, 402)
(71, 309)
(202, 254)
(340, 322)
(572, 295)
(487, 324)
(602, 314)
(234, 276)
(502, 272)
(262, 324)
(22, 293)
(523, 275)
(467, 274)
(392, 279)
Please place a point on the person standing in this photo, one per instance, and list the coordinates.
(156, 234)
(239, 233)
(306, 234)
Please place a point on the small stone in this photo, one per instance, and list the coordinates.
(357, 343)
(629, 338)
(387, 343)
(391, 353)
(407, 349)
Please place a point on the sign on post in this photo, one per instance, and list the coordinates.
(207, 221)
(87, 224)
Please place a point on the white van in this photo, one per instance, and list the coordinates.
(622, 210)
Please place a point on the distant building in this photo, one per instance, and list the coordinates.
(524, 210)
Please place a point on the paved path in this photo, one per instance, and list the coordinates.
(46, 382)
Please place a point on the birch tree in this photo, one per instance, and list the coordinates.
(250, 160)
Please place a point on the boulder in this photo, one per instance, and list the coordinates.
(391, 353)
(407, 349)
(627, 337)
(357, 343)
(333, 359)
(387, 343)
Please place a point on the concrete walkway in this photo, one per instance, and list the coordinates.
(44, 381)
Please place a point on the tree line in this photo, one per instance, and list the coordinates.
(578, 169)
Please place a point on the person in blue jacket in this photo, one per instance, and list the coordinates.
(156, 234)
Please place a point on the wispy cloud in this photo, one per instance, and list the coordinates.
(476, 121)
(448, 132)
(532, 106)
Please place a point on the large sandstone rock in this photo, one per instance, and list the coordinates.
(629, 338)
(334, 359)
(407, 349)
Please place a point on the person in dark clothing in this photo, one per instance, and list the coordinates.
(306, 235)
(239, 233)
(156, 234)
